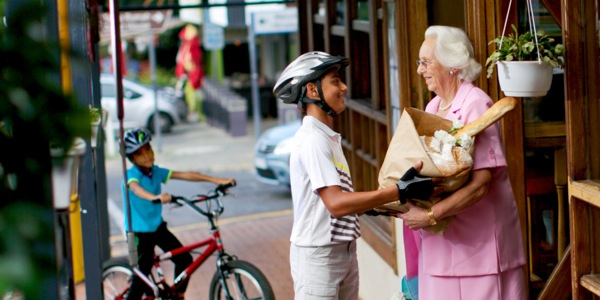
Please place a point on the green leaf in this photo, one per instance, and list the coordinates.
(519, 47)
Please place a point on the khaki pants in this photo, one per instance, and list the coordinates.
(329, 272)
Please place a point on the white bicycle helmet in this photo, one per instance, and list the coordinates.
(134, 139)
(308, 67)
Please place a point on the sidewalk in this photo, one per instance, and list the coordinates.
(198, 146)
(260, 239)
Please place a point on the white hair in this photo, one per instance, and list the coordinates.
(453, 49)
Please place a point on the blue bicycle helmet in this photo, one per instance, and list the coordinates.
(136, 138)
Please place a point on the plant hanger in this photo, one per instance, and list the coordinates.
(531, 27)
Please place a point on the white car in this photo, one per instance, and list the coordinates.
(138, 105)
(272, 154)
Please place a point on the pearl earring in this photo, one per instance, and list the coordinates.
(451, 72)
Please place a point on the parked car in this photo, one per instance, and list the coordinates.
(272, 154)
(138, 104)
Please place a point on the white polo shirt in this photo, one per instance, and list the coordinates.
(317, 161)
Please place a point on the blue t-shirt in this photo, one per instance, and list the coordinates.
(146, 216)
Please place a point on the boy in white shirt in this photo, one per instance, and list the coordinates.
(323, 249)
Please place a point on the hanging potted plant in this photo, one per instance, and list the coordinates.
(525, 62)
(95, 119)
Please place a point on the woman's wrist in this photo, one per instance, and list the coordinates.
(431, 216)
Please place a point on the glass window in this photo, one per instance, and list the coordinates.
(362, 10)
(107, 90)
(393, 84)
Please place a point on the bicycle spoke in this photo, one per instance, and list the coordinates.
(242, 282)
(239, 287)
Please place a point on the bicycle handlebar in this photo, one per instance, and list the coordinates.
(218, 192)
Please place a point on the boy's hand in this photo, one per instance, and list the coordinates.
(411, 185)
(226, 181)
(165, 198)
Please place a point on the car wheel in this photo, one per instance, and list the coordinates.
(165, 122)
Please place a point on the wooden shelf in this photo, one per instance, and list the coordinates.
(586, 190)
(545, 130)
(592, 283)
(338, 30)
(361, 25)
(319, 19)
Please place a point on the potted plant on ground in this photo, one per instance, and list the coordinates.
(525, 62)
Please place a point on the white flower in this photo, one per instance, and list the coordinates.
(447, 153)
(440, 134)
(457, 124)
(449, 139)
(465, 141)
(435, 145)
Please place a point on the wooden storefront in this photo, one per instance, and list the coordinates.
(552, 143)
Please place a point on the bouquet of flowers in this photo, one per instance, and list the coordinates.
(445, 147)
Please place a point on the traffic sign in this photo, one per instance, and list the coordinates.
(137, 22)
(271, 22)
(213, 37)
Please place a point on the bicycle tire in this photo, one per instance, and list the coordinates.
(116, 278)
(254, 284)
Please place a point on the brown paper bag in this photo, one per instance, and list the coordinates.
(406, 149)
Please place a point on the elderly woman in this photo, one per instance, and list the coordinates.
(480, 255)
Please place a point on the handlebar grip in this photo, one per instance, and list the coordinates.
(228, 185)
(173, 199)
(222, 187)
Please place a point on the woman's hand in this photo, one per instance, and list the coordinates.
(415, 218)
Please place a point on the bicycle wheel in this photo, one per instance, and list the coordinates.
(116, 278)
(244, 281)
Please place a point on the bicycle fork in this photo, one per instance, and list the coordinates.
(223, 273)
(146, 280)
(222, 260)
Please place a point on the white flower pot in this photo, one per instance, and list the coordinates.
(524, 78)
(94, 135)
(64, 173)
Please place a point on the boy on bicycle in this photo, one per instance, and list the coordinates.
(144, 181)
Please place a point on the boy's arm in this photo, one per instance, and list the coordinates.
(137, 189)
(196, 176)
(341, 203)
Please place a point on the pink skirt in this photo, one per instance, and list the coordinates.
(506, 285)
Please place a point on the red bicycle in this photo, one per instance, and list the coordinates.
(233, 279)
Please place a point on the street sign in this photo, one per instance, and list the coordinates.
(271, 22)
(213, 37)
(133, 23)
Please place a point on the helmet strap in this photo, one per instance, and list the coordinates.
(320, 103)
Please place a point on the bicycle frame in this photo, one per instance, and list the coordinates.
(212, 243)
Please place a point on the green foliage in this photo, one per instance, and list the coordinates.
(164, 77)
(95, 114)
(522, 47)
(34, 113)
